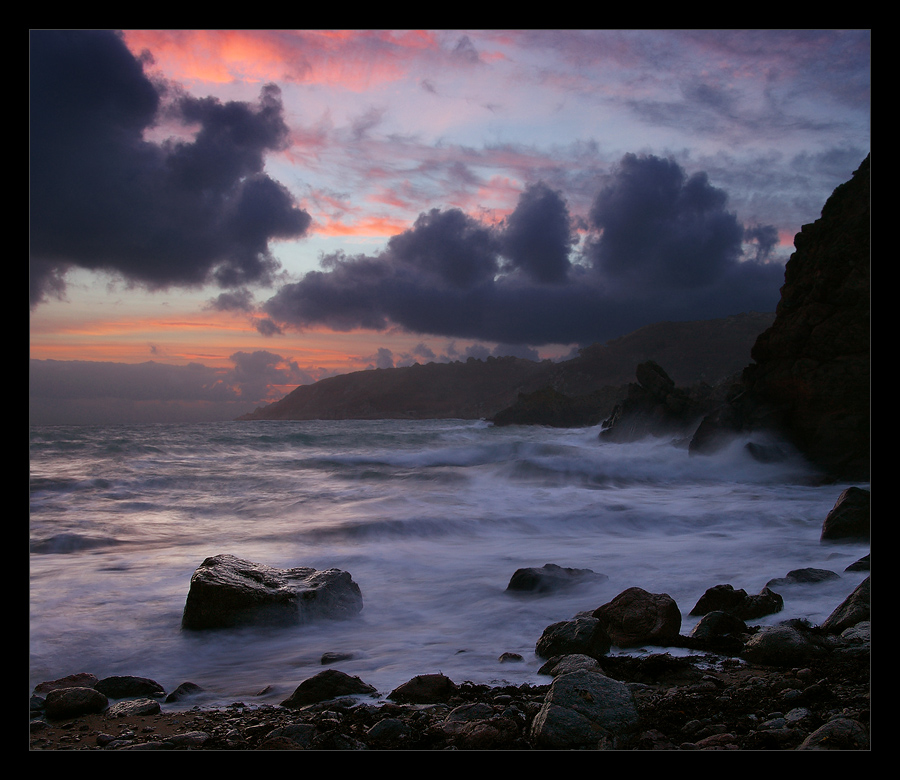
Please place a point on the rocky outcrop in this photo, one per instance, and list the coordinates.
(810, 379)
(654, 406)
(227, 591)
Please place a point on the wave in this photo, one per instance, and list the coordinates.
(69, 543)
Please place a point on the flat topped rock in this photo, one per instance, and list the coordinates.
(551, 577)
(227, 591)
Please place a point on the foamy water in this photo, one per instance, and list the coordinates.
(431, 518)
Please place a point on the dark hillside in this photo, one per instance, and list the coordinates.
(690, 351)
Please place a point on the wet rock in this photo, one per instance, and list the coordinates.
(726, 598)
(72, 702)
(584, 709)
(226, 591)
(837, 734)
(574, 662)
(856, 608)
(849, 519)
(782, 645)
(183, 691)
(424, 689)
(636, 617)
(803, 576)
(582, 635)
(131, 707)
(330, 684)
(551, 577)
(128, 686)
(80, 680)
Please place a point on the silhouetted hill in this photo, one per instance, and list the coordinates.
(691, 352)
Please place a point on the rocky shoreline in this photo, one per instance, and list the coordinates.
(700, 702)
(729, 685)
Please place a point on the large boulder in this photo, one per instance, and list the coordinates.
(227, 591)
(583, 635)
(325, 686)
(584, 710)
(855, 609)
(129, 687)
(62, 703)
(424, 689)
(636, 617)
(726, 598)
(786, 644)
(849, 519)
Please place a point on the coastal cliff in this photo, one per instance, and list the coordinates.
(810, 379)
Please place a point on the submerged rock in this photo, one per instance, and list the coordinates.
(227, 591)
(551, 577)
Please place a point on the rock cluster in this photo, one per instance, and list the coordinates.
(812, 700)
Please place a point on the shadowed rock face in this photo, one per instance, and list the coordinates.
(813, 364)
(811, 378)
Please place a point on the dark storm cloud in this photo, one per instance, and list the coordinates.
(661, 229)
(538, 235)
(179, 213)
(661, 245)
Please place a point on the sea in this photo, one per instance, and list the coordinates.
(430, 517)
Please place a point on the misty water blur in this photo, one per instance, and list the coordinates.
(431, 518)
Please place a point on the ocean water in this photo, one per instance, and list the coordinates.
(431, 518)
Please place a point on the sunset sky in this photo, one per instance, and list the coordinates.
(218, 216)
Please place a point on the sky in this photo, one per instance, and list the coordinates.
(218, 216)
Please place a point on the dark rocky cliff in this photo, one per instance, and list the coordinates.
(811, 376)
(702, 351)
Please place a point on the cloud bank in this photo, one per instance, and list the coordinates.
(89, 392)
(658, 245)
(196, 209)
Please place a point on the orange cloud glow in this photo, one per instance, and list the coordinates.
(374, 227)
(355, 60)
